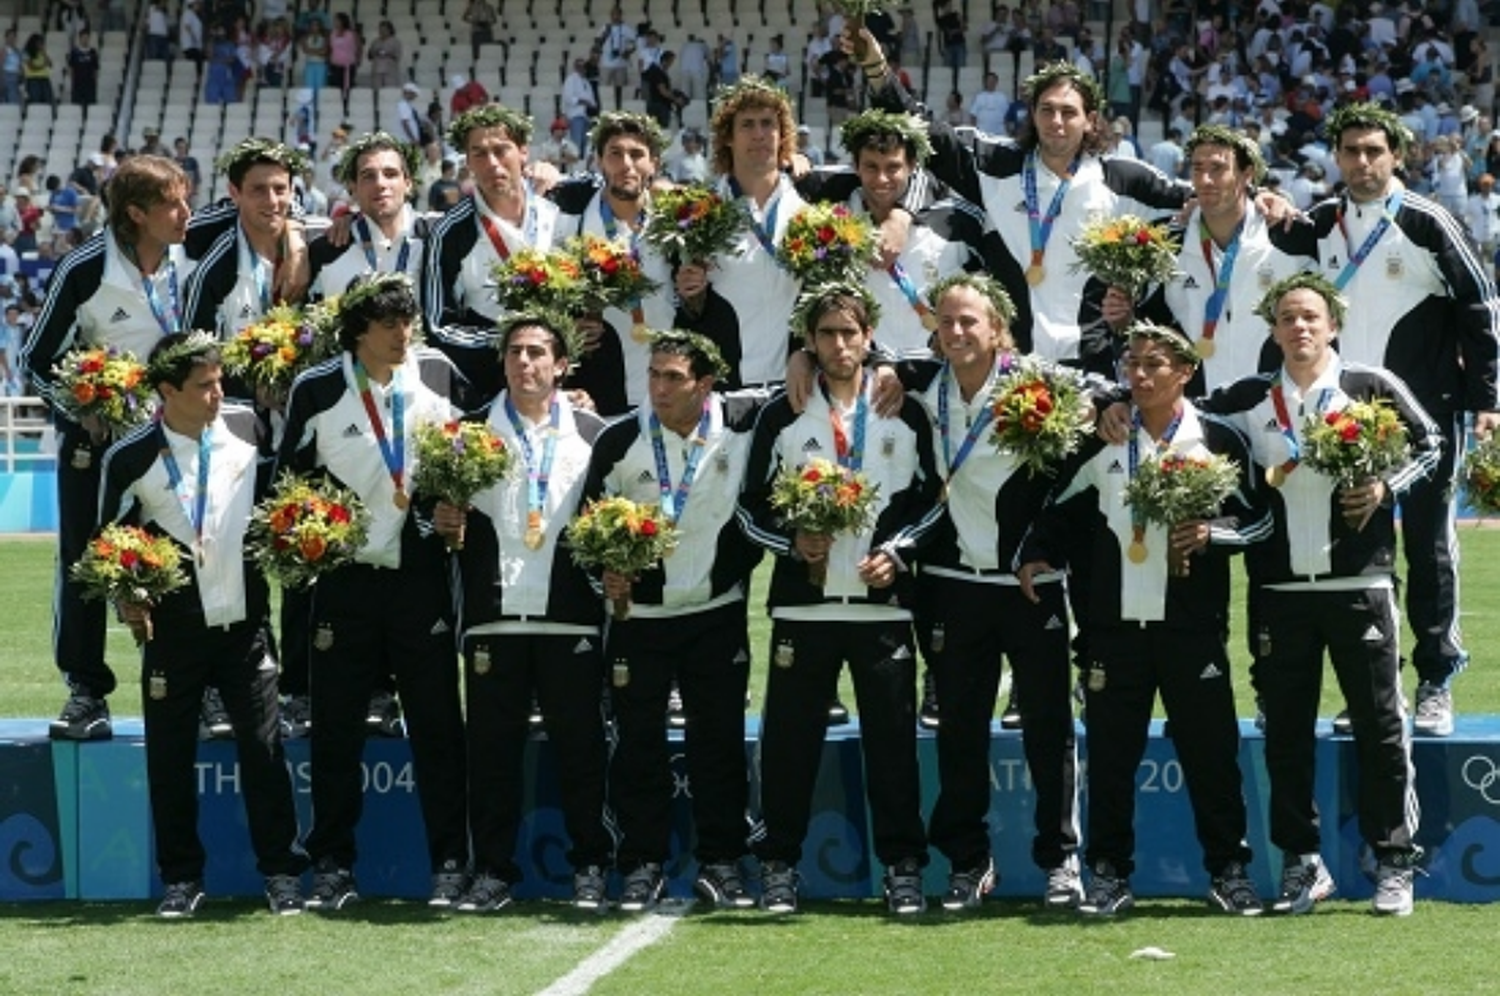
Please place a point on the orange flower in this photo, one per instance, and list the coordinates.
(313, 548)
(83, 393)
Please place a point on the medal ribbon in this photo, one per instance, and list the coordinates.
(1284, 422)
(674, 503)
(1357, 257)
(908, 289)
(528, 229)
(537, 477)
(764, 234)
(368, 245)
(1221, 275)
(257, 270)
(168, 319)
(986, 415)
(1041, 225)
(392, 448)
(851, 457)
(194, 506)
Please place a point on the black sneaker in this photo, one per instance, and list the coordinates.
(1343, 724)
(1010, 717)
(903, 888)
(448, 884)
(333, 888)
(213, 718)
(384, 717)
(778, 887)
(295, 716)
(643, 888)
(284, 894)
(676, 718)
(720, 883)
(1108, 892)
(838, 713)
(967, 888)
(534, 717)
(928, 717)
(487, 893)
(1232, 892)
(588, 889)
(1305, 882)
(180, 900)
(83, 717)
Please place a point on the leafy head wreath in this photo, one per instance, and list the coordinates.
(167, 362)
(518, 126)
(347, 171)
(253, 151)
(875, 125)
(694, 346)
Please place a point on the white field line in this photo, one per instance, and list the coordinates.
(624, 945)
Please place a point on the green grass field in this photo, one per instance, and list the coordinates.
(1010, 946)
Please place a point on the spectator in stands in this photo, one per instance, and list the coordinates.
(692, 67)
(951, 29)
(469, 93)
(62, 204)
(431, 167)
(444, 192)
(314, 48)
(30, 215)
(647, 53)
(36, 69)
(778, 65)
(311, 13)
(558, 148)
(158, 32)
(726, 63)
(190, 39)
(343, 54)
(11, 381)
(1483, 216)
(385, 57)
(616, 44)
(408, 121)
(244, 55)
(481, 19)
(28, 174)
(579, 103)
(151, 146)
(221, 86)
(83, 70)
(987, 109)
(274, 53)
(10, 69)
(1167, 155)
(190, 168)
(689, 165)
(661, 98)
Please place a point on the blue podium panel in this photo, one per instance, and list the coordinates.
(114, 856)
(32, 846)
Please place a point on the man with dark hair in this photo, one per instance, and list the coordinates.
(191, 476)
(1156, 627)
(119, 289)
(656, 83)
(1422, 305)
(685, 449)
(352, 418)
(1326, 584)
(531, 622)
(502, 214)
(862, 612)
(386, 235)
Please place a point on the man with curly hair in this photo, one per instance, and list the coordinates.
(1423, 306)
(1327, 583)
(501, 215)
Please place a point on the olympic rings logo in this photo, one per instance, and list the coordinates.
(1483, 776)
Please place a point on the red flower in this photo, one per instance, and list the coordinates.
(812, 477)
(129, 559)
(1142, 237)
(610, 266)
(538, 277)
(91, 365)
(825, 234)
(1349, 431)
(648, 528)
(338, 513)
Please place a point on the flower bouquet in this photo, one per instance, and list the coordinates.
(270, 353)
(619, 535)
(1126, 252)
(828, 242)
(1365, 440)
(129, 564)
(1039, 414)
(533, 280)
(1177, 488)
(613, 276)
(306, 528)
(825, 498)
(693, 224)
(106, 384)
(456, 461)
(1482, 476)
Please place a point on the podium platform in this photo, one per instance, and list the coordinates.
(74, 819)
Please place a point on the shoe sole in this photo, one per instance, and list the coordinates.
(64, 733)
(1070, 901)
(1115, 911)
(719, 900)
(1399, 911)
(1439, 730)
(494, 907)
(929, 724)
(1303, 906)
(780, 908)
(1220, 906)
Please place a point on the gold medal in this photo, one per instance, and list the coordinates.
(1276, 476)
(640, 333)
(929, 321)
(158, 685)
(1137, 552)
(1035, 274)
(534, 537)
(400, 500)
(481, 660)
(1205, 348)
